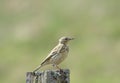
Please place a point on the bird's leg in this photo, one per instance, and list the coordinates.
(58, 67)
(54, 65)
(61, 71)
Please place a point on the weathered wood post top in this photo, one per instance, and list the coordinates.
(49, 76)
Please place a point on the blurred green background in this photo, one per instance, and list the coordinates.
(29, 29)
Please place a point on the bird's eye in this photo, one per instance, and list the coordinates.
(66, 38)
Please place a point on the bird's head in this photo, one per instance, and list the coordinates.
(65, 40)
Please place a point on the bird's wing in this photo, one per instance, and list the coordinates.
(54, 51)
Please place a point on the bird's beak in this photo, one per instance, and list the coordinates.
(71, 38)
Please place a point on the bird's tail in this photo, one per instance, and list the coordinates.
(37, 68)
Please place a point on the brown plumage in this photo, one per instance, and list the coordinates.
(58, 54)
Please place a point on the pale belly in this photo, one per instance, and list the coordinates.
(59, 58)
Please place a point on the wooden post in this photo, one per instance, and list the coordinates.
(49, 76)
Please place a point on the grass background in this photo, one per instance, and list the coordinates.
(29, 29)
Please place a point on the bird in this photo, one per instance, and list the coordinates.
(57, 54)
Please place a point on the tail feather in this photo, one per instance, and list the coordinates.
(37, 68)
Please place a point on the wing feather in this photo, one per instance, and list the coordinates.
(54, 51)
